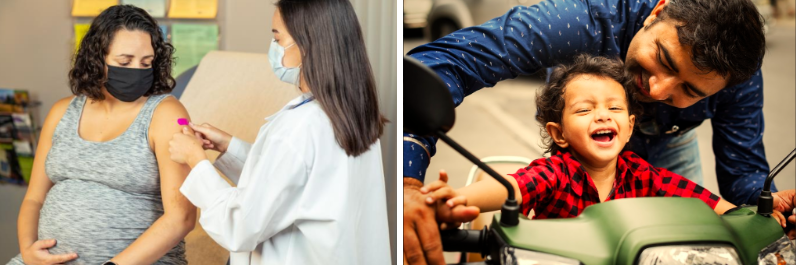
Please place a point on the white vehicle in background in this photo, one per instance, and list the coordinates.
(415, 13)
(447, 16)
(767, 12)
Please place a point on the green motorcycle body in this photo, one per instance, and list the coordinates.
(616, 232)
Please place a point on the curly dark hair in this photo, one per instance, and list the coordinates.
(550, 99)
(725, 36)
(87, 76)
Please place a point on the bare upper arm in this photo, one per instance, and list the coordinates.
(40, 183)
(164, 121)
(161, 130)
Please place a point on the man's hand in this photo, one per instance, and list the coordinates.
(785, 201)
(422, 243)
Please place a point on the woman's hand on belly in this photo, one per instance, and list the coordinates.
(39, 253)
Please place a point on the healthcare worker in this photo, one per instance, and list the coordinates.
(310, 190)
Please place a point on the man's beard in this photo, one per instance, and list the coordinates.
(636, 71)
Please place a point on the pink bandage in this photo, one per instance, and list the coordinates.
(182, 121)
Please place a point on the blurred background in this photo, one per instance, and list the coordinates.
(499, 121)
(37, 40)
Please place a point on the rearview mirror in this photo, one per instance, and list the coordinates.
(429, 111)
(428, 105)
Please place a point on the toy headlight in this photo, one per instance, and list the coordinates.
(515, 256)
(689, 254)
(781, 252)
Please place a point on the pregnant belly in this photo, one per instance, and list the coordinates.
(93, 220)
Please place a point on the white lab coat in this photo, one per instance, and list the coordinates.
(299, 198)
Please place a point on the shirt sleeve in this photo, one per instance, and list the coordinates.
(231, 162)
(536, 183)
(238, 218)
(668, 184)
(417, 152)
(741, 166)
(523, 41)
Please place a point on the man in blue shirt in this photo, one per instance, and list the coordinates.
(692, 59)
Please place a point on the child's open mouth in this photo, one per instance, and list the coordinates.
(603, 135)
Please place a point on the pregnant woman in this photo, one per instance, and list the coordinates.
(103, 189)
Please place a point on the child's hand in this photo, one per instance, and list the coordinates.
(451, 208)
(780, 218)
(440, 191)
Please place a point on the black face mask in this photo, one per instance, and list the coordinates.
(128, 84)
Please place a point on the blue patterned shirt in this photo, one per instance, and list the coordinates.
(528, 39)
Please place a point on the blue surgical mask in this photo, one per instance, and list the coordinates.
(286, 74)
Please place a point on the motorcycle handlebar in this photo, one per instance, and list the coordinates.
(457, 240)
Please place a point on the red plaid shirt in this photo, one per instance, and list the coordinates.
(559, 187)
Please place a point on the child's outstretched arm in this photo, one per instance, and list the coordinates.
(487, 194)
(724, 206)
(668, 184)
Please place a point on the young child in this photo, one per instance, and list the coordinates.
(588, 118)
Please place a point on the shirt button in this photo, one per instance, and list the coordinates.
(673, 130)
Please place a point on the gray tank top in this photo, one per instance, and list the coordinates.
(105, 194)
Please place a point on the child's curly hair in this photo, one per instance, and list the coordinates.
(550, 99)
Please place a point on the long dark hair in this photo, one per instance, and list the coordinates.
(88, 72)
(335, 65)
